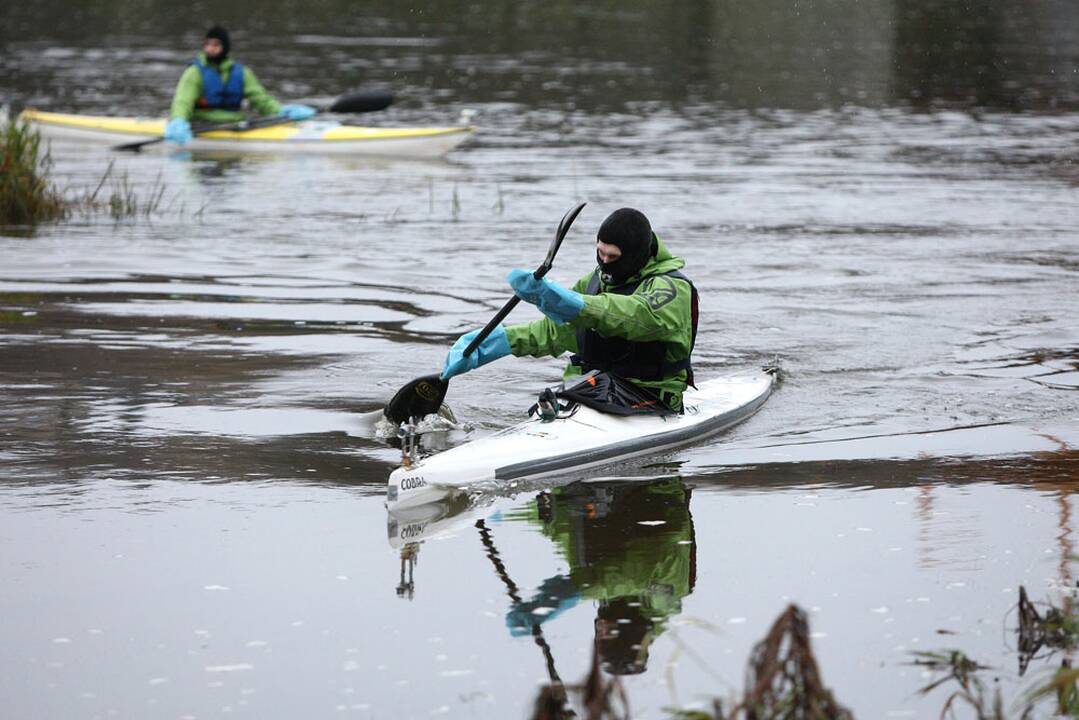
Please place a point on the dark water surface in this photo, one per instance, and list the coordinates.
(191, 497)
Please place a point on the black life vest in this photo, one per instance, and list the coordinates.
(628, 358)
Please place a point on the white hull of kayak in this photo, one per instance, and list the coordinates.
(311, 137)
(583, 440)
(417, 523)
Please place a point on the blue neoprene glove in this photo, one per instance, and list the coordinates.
(493, 347)
(178, 131)
(553, 300)
(555, 596)
(296, 112)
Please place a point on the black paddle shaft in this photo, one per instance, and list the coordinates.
(560, 235)
(361, 102)
(515, 595)
(424, 395)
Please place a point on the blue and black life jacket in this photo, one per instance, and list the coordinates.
(628, 358)
(217, 95)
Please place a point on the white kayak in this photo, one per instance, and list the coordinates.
(309, 136)
(584, 439)
(416, 523)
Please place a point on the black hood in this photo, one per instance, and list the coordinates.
(630, 231)
(219, 33)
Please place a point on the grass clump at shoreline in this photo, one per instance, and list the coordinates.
(27, 196)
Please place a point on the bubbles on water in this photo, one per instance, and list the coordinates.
(385, 429)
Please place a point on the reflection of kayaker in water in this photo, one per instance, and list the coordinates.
(213, 88)
(630, 548)
(633, 317)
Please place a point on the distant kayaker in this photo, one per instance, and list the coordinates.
(634, 317)
(213, 88)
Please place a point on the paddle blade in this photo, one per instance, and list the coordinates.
(361, 102)
(137, 145)
(559, 236)
(423, 396)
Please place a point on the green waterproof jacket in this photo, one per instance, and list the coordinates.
(619, 556)
(189, 90)
(651, 313)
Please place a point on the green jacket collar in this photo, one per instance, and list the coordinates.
(662, 262)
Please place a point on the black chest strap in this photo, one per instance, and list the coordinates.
(631, 359)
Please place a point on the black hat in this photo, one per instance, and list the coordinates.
(630, 231)
(219, 33)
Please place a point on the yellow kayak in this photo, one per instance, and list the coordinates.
(309, 136)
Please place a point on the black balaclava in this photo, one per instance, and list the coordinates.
(219, 33)
(630, 230)
(623, 648)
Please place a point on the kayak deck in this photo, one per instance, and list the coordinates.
(585, 439)
(310, 136)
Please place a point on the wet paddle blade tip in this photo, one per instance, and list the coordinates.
(419, 398)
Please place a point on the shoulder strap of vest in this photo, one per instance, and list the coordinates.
(593, 289)
(593, 284)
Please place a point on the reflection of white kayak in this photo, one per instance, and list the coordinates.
(585, 439)
(311, 136)
(416, 523)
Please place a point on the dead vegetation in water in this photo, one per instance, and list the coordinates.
(115, 196)
(599, 697)
(1055, 628)
(953, 666)
(956, 669)
(1064, 686)
(782, 681)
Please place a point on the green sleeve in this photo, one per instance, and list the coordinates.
(261, 101)
(541, 337)
(659, 310)
(188, 90)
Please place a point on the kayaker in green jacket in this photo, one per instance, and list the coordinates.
(631, 550)
(633, 317)
(213, 88)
